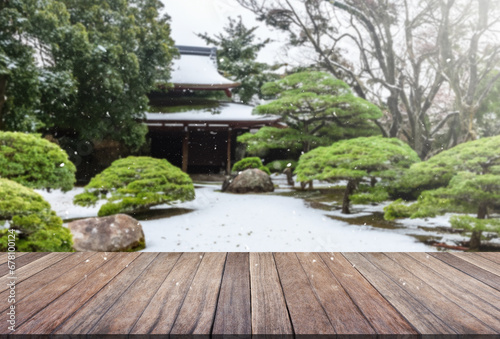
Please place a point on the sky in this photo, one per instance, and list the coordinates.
(210, 16)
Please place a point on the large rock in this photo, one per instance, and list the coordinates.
(251, 180)
(116, 233)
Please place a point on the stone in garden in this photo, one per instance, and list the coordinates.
(251, 180)
(115, 233)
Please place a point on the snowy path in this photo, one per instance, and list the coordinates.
(251, 222)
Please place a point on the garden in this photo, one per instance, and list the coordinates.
(394, 152)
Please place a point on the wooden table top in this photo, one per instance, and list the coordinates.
(252, 294)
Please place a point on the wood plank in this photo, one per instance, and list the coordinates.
(138, 295)
(62, 307)
(306, 313)
(479, 261)
(478, 308)
(381, 315)
(480, 274)
(269, 311)
(5, 256)
(420, 317)
(43, 278)
(233, 315)
(45, 295)
(344, 315)
(197, 313)
(159, 316)
(461, 321)
(22, 260)
(457, 277)
(33, 268)
(82, 321)
(492, 256)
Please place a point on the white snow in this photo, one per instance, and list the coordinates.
(197, 70)
(251, 222)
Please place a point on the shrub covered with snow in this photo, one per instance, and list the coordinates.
(250, 162)
(135, 184)
(38, 227)
(35, 162)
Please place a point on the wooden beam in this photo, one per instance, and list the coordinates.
(228, 166)
(185, 149)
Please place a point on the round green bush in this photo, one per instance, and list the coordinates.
(135, 184)
(35, 162)
(38, 228)
(278, 166)
(250, 162)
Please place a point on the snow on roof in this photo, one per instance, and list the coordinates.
(192, 71)
(224, 113)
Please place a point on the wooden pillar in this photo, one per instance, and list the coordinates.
(228, 167)
(185, 149)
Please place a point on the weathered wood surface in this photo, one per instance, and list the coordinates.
(412, 295)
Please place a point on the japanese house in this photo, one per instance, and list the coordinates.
(196, 134)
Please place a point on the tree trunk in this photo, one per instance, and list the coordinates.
(475, 239)
(351, 186)
(3, 89)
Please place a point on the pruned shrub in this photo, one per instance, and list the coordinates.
(135, 184)
(250, 162)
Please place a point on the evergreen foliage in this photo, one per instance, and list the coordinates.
(318, 108)
(37, 227)
(354, 160)
(35, 162)
(463, 179)
(250, 162)
(237, 53)
(135, 184)
(95, 62)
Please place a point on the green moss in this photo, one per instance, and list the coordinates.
(135, 184)
(250, 162)
(35, 162)
(38, 228)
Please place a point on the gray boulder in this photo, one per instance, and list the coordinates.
(251, 180)
(115, 233)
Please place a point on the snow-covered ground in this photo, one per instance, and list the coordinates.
(250, 222)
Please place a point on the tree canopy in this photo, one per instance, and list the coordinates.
(35, 162)
(82, 68)
(318, 109)
(135, 184)
(237, 52)
(356, 159)
(463, 179)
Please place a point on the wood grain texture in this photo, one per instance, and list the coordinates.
(137, 296)
(269, 311)
(85, 318)
(21, 260)
(479, 273)
(36, 282)
(479, 261)
(459, 278)
(33, 268)
(381, 315)
(420, 317)
(344, 315)
(492, 256)
(160, 314)
(306, 313)
(233, 316)
(197, 313)
(62, 307)
(471, 314)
